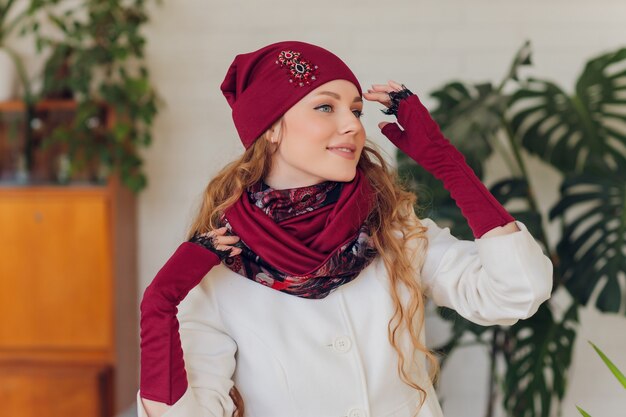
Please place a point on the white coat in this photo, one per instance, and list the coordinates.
(295, 357)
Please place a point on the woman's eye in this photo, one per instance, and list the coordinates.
(324, 105)
(357, 113)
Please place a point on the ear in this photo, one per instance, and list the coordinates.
(276, 129)
(274, 132)
(269, 135)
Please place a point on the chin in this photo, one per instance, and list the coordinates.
(344, 176)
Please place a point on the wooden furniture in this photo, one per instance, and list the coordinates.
(68, 297)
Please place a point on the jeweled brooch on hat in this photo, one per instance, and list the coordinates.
(301, 71)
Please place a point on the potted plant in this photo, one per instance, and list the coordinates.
(581, 136)
(103, 51)
(96, 57)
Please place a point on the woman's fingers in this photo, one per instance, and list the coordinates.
(380, 92)
(225, 242)
(381, 97)
(381, 88)
(233, 250)
(221, 242)
(396, 86)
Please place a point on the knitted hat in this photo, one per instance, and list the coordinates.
(261, 86)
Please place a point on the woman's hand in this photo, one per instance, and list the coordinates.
(217, 241)
(380, 93)
(416, 133)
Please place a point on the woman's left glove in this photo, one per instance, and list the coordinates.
(423, 142)
(163, 377)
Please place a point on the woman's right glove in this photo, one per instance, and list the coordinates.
(163, 377)
(423, 142)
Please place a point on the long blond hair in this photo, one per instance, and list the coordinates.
(393, 225)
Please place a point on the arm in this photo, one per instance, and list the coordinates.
(502, 275)
(423, 141)
(502, 230)
(209, 356)
(491, 280)
(163, 378)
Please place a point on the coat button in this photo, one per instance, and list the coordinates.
(357, 412)
(342, 344)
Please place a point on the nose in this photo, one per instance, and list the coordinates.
(350, 123)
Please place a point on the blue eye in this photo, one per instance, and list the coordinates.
(358, 113)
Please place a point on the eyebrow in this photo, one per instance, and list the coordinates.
(338, 97)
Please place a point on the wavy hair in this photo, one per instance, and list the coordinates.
(393, 224)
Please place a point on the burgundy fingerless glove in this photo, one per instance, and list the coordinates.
(423, 142)
(163, 377)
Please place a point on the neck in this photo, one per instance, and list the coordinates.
(284, 183)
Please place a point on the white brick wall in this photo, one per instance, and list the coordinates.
(421, 43)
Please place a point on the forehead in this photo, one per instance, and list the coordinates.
(343, 88)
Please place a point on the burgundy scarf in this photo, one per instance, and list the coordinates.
(304, 241)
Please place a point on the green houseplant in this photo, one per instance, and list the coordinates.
(96, 53)
(581, 135)
(101, 57)
(614, 370)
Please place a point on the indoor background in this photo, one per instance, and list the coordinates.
(423, 44)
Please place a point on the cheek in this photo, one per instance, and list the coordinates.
(301, 150)
(310, 137)
(320, 129)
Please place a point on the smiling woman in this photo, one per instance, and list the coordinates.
(312, 213)
(312, 134)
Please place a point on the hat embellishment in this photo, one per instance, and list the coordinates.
(300, 70)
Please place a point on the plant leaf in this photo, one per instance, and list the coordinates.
(591, 250)
(538, 357)
(585, 132)
(614, 369)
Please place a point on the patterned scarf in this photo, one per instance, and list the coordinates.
(304, 241)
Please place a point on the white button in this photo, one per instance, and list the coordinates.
(357, 412)
(342, 344)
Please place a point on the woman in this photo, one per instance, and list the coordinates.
(313, 214)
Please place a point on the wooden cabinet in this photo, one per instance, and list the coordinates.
(68, 300)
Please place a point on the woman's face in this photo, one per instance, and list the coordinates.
(315, 131)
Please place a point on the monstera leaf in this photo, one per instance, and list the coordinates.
(538, 356)
(460, 327)
(585, 132)
(592, 248)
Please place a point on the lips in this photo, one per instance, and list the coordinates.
(349, 146)
(345, 150)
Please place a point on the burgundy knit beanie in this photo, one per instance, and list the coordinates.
(261, 86)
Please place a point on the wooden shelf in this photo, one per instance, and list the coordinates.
(19, 106)
(42, 186)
